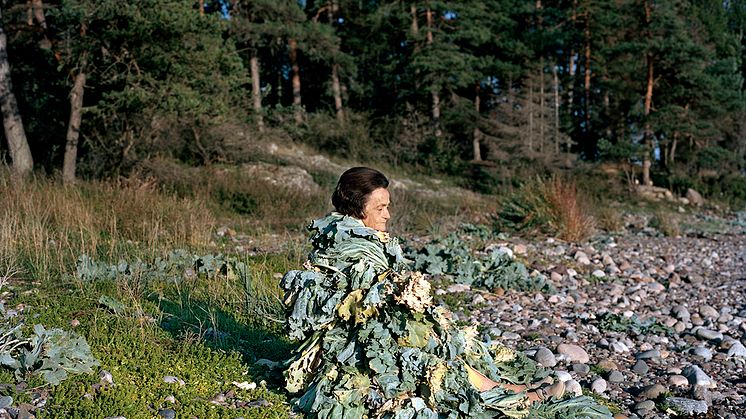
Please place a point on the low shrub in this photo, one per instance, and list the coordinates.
(552, 206)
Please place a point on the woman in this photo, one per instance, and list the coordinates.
(374, 344)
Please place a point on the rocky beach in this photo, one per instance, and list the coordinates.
(654, 325)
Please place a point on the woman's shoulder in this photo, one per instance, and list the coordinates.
(336, 230)
(341, 227)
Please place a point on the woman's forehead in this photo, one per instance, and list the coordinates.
(379, 196)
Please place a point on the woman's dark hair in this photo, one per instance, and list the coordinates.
(353, 189)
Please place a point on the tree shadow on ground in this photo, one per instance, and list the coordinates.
(221, 330)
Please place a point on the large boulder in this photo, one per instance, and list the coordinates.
(291, 177)
(694, 197)
(654, 193)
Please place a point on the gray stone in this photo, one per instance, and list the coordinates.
(616, 377)
(694, 197)
(582, 258)
(291, 177)
(650, 354)
(653, 391)
(105, 377)
(681, 313)
(640, 367)
(709, 334)
(573, 353)
(737, 350)
(702, 352)
(599, 385)
(697, 377)
(170, 379)
(458, 288)
(581, 369)
(478, 299)
(686, 407)
(563, 376)
(702, 393)
(545, 357)
(645, 406)
(167, 413)
(511, 336)
(598, 273)
(708, 312)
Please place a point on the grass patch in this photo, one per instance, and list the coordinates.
(198, 330)
(613, 407)
(666, 223)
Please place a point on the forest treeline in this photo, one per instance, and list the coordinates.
(92, 87)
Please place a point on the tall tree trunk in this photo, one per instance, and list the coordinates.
(20, 152)
(648, 140)
(415, 24)
(607, 109)
(337, 90)
(477, 132)
(73, 128)
(201, 7)
(293, 54)
(256, 90)
(542, 94)
(530, 108)
(555, 81)
(38, 12)
(571, 71)
(672, 152)
(587, 81)
(435, 94)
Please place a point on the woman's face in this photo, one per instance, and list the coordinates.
(376, 209)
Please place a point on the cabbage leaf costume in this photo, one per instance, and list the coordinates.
(374, 345)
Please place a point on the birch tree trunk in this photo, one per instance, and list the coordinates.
(73, 128)
(293, 54)
(20, 152)
(256, 90)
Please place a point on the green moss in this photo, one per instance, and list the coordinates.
(163, 331)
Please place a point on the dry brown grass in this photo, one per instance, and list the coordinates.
(552, 206)
(566, 209)
(45, 225)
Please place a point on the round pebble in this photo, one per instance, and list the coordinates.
(599, 385)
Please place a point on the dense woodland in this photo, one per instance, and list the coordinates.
(90, 88)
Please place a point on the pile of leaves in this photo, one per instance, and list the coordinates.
(177, 266)
(375, 345)
(53, 355)
(453, 258)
